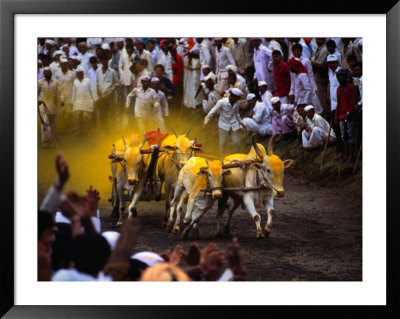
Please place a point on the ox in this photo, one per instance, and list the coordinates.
(129, 168)
(268, 173)
(177, 150)
(197, 174)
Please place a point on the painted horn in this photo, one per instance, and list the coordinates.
(143, 141)
(270, 148)
(123, 140)
(174, 132)
(258, 151)
(187, 133)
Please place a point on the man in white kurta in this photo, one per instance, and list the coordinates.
(265, 94)
(229, 120)
(164, 58)
(192, 80)
(223, 57)
(125, 63)
(206, 57)
(49, 101)
(240, 54)
(147, 105)
(234, 69)
(83, 99)
(66, 78)
(316, 131)
(210, 94)
(261, 119)
(263, 64)
(144, 54)
(163, 109)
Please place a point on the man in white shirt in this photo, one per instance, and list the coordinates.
(144, 54)
(49, 101)
(147, 105)
(93, 44)
(210, 94)
(260, 121)
(265, 94)
(125, 62)
(263, 64)
(164, 58)
(333, 68)
(320, 70)
(72, 49)
(234, 69)
(229, 120)
(150, 45)
(83, 99)
(223, 57)
(240, 54)
(316, 131)
(66, 78)
(107, 83)
(85, 56)
(163, 109)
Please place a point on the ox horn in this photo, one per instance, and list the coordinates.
(258, 151)
(187, 133)
(123, 140)
(270, 148)
(174, 132)
(143, 141)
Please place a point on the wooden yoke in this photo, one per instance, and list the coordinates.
(238, 164)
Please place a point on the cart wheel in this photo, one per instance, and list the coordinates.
(114, 202)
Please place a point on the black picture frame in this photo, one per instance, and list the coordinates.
(7, 11)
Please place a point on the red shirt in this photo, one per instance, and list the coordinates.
(347, 97)
(177, 69)
(282, 79)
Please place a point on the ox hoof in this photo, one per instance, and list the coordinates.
(186, 222)
(176, 229)
(119, 223)
(196, 234)
(227, 229)
(260, 235)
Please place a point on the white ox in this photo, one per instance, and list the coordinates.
(130, 170)
(177, 150)
(196, 174)
(268, 173)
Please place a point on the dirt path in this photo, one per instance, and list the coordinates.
(316, 235)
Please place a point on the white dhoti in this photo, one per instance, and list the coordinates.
(254, 127)
(316, 138)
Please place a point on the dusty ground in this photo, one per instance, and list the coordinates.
(316, 235)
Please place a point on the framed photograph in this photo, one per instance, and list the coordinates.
(324, 246)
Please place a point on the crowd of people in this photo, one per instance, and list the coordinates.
(305, 89)
(71, 246)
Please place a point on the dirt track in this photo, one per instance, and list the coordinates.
(316, 235)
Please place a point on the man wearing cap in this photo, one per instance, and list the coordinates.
(333, 68)
(164, 58)
(163, 109)
(316, 131)
(55, 65)
(147, 105)
(261, 120)
(282, 119)
(223, 57)
(281, 77)
(107, 83)
(229, 120)
(72, 49)
(66, 78)
(320, 69)
(93, 44)
(84, 55)
(83, 99)
(49, 100)
(263, 64)
(265, 94)
(50, 47)
(210, 94)
(233, 69)
(235, 83)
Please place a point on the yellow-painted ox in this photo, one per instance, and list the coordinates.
(195, 175)
(268, 173)
(179, 149)
(130, 170)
